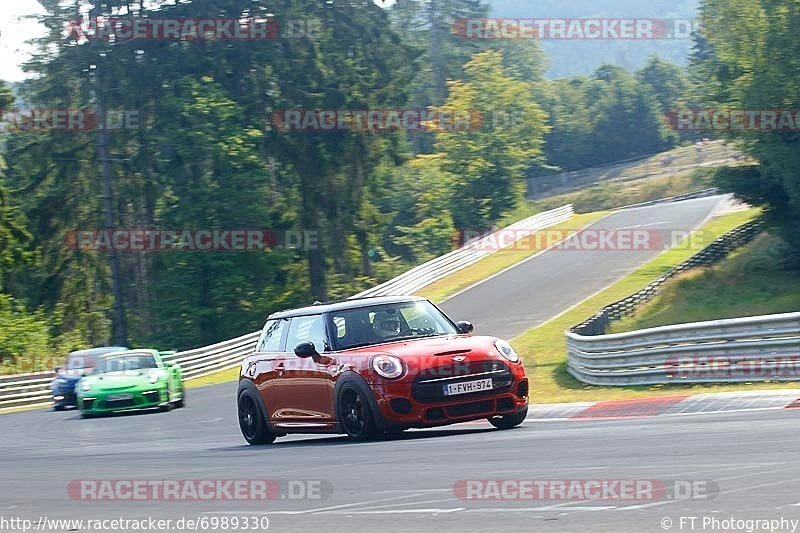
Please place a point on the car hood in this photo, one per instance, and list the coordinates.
(444, 347)
(118, 380)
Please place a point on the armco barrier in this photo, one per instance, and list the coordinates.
(761, 348)
(436, 269)
(33, 389)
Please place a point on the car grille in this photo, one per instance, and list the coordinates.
(429, 385)
(115, 404)
(470, 409)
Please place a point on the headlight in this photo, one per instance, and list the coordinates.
(506, 350)
(387, 366)
(153, 377)
(85, 387)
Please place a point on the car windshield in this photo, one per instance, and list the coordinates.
(363, 326)
(120, 363)
(76, 361)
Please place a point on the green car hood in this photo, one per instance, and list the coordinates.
(119, 380)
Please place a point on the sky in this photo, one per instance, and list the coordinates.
(14, 33)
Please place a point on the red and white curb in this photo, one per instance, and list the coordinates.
(679, 404)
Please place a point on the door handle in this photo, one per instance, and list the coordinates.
(279, 368)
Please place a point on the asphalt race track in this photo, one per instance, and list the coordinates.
(746, 461)
(407, 484)
(534, 291)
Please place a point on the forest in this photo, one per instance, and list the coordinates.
(198, 148)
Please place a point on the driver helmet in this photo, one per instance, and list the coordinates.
(386, 323)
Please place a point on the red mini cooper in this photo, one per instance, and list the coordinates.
(373, 366)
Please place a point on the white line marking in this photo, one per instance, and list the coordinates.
(320, 509)
(534, 509)
(646, 505)
(425, 502)
(400, 511)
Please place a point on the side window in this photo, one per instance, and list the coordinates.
(306, 328)
(270, 340)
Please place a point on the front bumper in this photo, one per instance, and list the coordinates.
(421, 403)
(65, 398)
(106, 402)
(64, 393)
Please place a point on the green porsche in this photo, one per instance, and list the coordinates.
(133, 379)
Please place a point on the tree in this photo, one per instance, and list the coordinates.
(667, 81)
(628, 119)
(489, 162)
(749, 62)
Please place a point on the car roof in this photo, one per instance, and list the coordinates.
(126, 351)
(98, 351)
(345, 304)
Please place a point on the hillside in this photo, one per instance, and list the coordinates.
(570, 58)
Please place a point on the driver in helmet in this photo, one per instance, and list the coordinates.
(386, 324)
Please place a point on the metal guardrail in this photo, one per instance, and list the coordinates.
(703, 193)
(761, 348)
(34, 389)
(470, 253)
(685, 158)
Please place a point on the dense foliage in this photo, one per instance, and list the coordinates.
(206, 154)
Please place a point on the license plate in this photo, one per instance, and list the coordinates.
(118, 397)
(466, 387)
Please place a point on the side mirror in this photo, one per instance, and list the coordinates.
(56, 370)
(305, 350)
(464, 326)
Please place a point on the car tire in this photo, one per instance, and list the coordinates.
(251, 420)
(58, 408)
(355, 414)
(509, 421)
(182, 402)
(167, 406)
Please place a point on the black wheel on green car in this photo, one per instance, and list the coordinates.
(509, 421)
(182, 401)
(251, 420)
(167, 406)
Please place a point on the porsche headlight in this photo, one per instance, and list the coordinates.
(153, 377)
(506, 350)
(387, 366)
(86, 387)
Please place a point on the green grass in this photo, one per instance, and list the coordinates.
(756, 280)
(544, 349)
(222, 376)
(504, 259)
